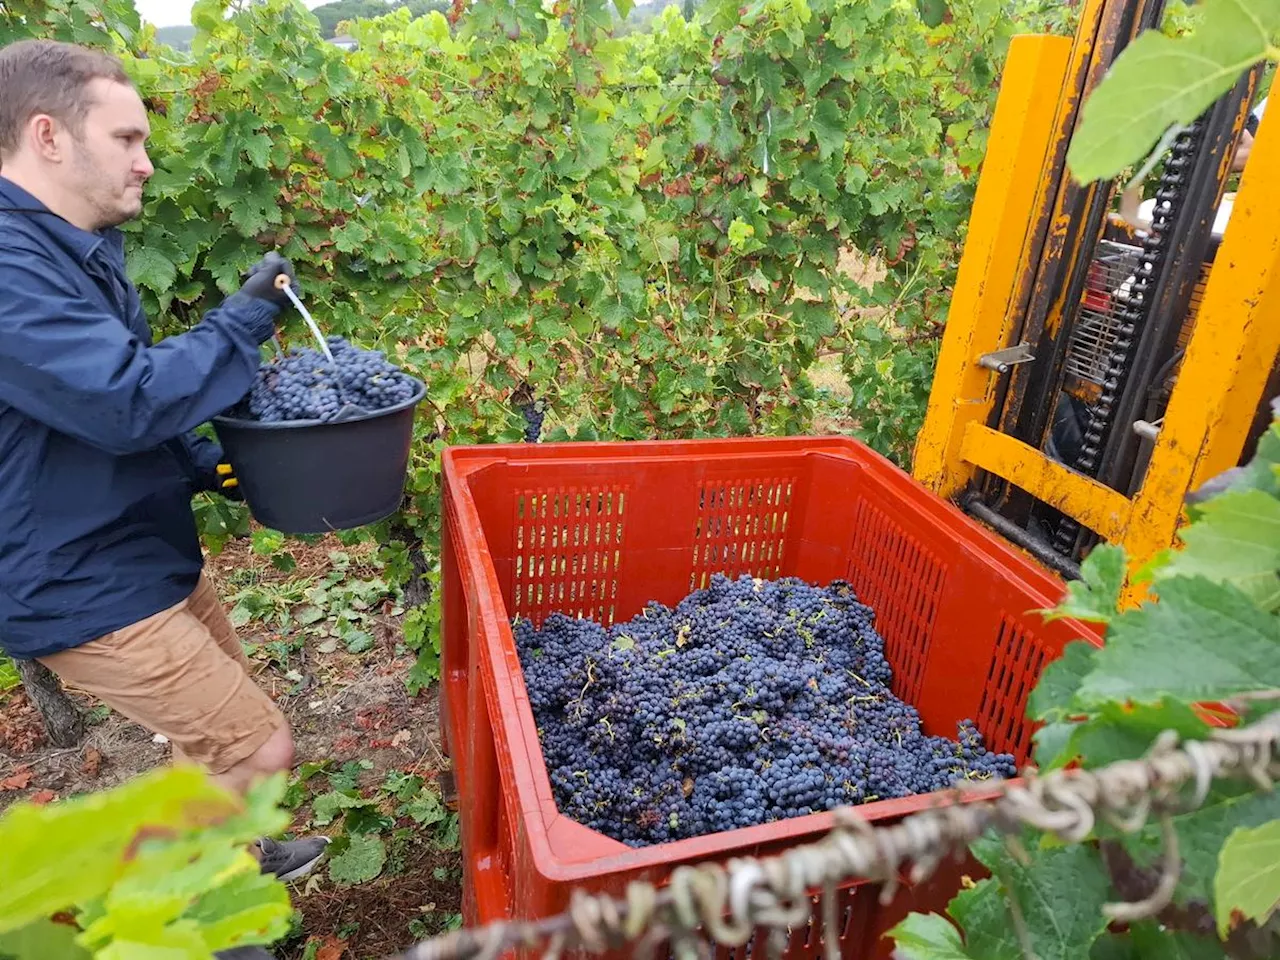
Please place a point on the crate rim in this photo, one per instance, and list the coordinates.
(514, 718)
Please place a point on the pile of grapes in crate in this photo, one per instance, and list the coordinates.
(750, 701)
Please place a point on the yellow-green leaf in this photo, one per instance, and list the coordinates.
(1159, 82)
(1248, 880)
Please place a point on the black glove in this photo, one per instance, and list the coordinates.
(260, 281)
(228, 485)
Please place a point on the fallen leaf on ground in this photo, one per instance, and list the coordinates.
(92, 761)
(401, 738)
(331, 949)
(18, 780)
(43, 796)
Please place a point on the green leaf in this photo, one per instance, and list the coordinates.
(1201, 836)
(1060, 894)
(358, 641)
(149, 268)
(1160, 649)
(1126, 732)
(95, 832)
(1052, 698)
(1247, 883)
(983, 914)
(932, 12)
(42, 940)
(1094, 597)
(426, 808)
(251, 908)
(1236, 537)
(828, 126)
(206, 15)
(327, 806)
(360, 862)
(1159, 82)
(927, 936)
(1147, 940)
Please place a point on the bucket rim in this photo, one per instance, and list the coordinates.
(239, 424)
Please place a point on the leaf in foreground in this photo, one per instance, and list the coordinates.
(1159, 82)
(1248, 879)
(1200, 641)
(927, 936)
(1094, 596)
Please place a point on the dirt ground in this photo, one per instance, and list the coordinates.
(351, 710)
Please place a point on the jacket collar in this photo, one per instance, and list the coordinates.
(80, 243)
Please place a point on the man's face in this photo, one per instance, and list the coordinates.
(107, 163)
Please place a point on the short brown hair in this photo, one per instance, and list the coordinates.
(48, 76)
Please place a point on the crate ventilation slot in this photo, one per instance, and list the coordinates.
(741, 528)
(1016, 663)
(902, 581)
(569, 545)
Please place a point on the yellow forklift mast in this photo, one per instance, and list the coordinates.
(1095, 369)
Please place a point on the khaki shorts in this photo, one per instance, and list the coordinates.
(181, 673)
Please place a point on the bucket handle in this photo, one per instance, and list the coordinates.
(282, 283)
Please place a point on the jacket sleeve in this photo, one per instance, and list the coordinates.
(205, 456)
(74, 366)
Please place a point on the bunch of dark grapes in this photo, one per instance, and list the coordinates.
(748, 702)
(305, 385)
(533, 417)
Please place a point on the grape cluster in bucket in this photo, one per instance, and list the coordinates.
(304, 385)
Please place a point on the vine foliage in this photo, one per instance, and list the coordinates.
(1202, 652)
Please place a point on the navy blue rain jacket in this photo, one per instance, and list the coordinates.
(98, 461)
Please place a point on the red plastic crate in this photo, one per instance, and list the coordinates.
(600, 529)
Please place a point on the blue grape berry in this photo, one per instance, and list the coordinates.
(749, 701)
(304, 385)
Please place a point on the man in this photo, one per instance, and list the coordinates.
(101, 571)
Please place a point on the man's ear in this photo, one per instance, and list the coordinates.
(42, 136)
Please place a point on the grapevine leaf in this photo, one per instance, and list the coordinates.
(828, 126)
(1160, 649)
(1147, 940)
(1236, 537)
(983, 914)
(1126, 732)
(1060, 893)
(149, 268)
(95, 832)
(1152, 942)
(1094, 597)
(251, 908)
(1053, 695)
(42, 940)
(1201, 836)
(327, 806)
(360, 862)
(927, 936)
(1258, 474)
(426, 808)
(1159, 82)
(1051, 742)
(1248, 879)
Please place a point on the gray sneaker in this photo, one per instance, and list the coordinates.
(291, 859)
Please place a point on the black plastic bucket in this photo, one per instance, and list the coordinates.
(314, 477)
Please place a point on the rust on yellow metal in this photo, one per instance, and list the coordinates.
(995, 255)
(1091, 503)
(1232, 349)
